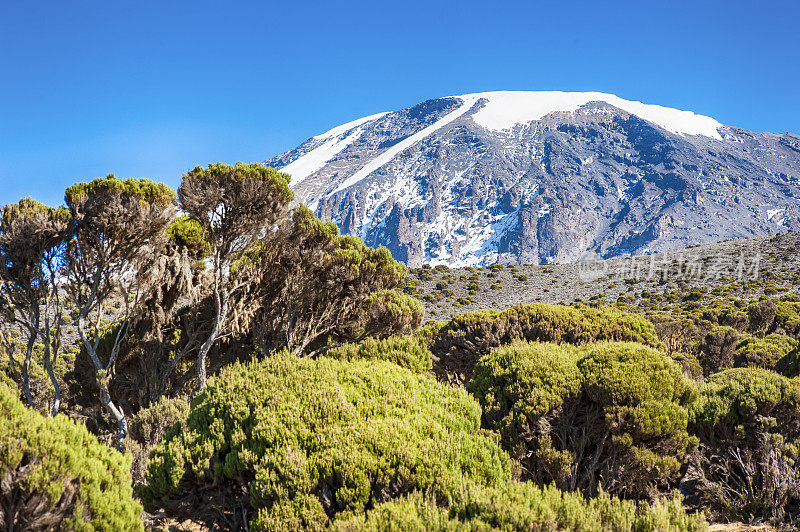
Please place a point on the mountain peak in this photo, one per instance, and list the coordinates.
(546, 176)
(505, 109)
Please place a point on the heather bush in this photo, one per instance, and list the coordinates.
(148, 428)
(748, 423)
(523, 506)
(409, 351)
(290, 443)
(464, 339)
(767, 352)
(54, 475)
(610, 415)
(717, 350)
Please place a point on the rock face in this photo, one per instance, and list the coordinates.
(544, 177)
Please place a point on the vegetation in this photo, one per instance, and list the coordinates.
(523, 506)
(55, 475)
(610, 415)
(748, 422)
(234, 206)
(306, 286)
(270, 373)
(32, 236)
(255, 451)
(118, 227)
(467, 337)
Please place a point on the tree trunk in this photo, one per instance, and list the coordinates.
(26, 376)
(105, 397)
(221, 305)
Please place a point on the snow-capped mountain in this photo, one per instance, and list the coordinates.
(541, 177)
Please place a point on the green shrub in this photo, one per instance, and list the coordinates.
(466, 337)
(787, 316)
(293, 442)
(611, 414)
(767, 352)
(524, 506)
(748, 422)
(58, 476)
(409, 351)
(149, 426)
(761, 314)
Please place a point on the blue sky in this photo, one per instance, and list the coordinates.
(150, 89)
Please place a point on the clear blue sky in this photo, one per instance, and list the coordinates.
(150, 89)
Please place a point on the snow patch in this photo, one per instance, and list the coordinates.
(505, 109)
(772, 212)
(391, 153)
(314, 160)
(344, 128)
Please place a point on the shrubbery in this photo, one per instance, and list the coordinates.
(748, 422)
(467, 337)
(409, 351)
(55, 475)
(524, 506)
(291, 443)
(610, 415)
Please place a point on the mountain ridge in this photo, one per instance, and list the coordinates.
(542, 177)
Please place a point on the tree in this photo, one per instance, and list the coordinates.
(120, 226)
(305, 286)
(32, 239)
(234, 205)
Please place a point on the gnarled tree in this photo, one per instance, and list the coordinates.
(32, 239)
(235, 206)
(120, 225)
(306, 286)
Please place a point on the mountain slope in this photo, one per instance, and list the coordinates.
(543, 177)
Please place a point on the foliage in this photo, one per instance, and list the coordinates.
(148, 428)
(32, 238)
(610, 414)
(466, 337)
(296, 442)
(187, 233)
(748, 422)
(306, 286)
(391, 312)
(524, 506)
(767, 352)
(57, 475)
(120, 227)
(409, 351)
(234, 206)
(718, 348)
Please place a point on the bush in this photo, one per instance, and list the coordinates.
(55, 475)
(767, 352)
(716, 351)
(410, 351)
(748, 422)
(523, 506)
(761, 314)
(613, 415)
(149, 426)
(290, 443)
(467, 337)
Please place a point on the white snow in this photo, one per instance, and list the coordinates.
(338, 130)
(772, 212)
(390, 153)
(505, 109)
(334, 143)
